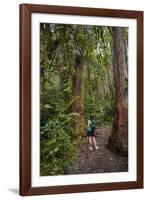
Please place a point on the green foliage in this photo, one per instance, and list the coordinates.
(59, 43)
(58, 143)
(103, 111)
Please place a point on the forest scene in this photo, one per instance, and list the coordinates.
(83, 87)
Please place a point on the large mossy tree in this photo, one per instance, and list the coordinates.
(118, 141)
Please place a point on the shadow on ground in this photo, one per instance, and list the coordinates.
(14, 190)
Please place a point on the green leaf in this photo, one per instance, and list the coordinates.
(47, 106)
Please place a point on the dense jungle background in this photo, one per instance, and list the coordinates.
(83, 69)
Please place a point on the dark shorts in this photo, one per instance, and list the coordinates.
(90, 133)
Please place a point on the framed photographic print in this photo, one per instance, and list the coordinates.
(81, 99)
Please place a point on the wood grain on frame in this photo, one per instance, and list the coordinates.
(25, 98)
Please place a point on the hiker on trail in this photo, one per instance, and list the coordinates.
(90, 132)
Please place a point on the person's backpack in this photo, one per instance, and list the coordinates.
(92, 125)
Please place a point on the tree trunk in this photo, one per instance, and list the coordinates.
(118, 141)
(78, 93)
(64, 81)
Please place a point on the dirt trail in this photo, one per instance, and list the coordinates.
(98, 161)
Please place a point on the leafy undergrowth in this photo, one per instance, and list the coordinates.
(58, 144)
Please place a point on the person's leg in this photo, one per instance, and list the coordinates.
(94, 142)
(90, 142)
